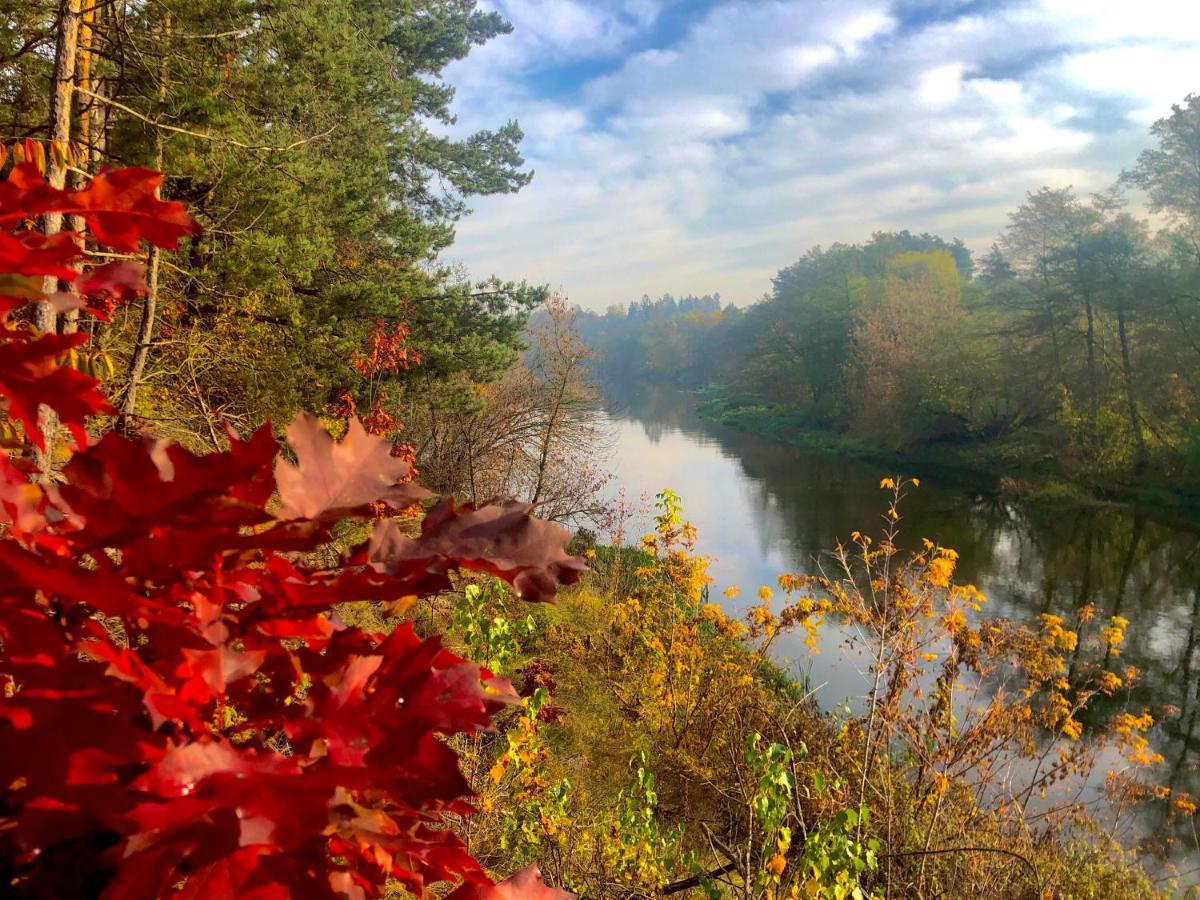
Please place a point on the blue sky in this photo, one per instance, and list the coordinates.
(693, 146)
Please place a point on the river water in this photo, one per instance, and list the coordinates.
(762, 508)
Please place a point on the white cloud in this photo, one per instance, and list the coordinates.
(712, 158)
(746, 49)
(1146, 76)
(556, 26)
(940, 86)
(1105, 21)
(550, 123)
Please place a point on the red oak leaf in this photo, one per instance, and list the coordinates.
(503, 539)
(110, 285)
(32, 253)
(233, 877)
(120, 206)
(22, 501)
(190, 719)
(136, 490)
(525, 885)
(332, 480)
(31, 374)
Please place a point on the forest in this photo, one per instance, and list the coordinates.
(1070, 348)
(311, 581)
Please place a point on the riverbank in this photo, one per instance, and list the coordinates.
(1002, 468)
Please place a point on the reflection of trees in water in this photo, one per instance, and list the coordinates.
(1028, 558)
(1180, 744)
(658, 410)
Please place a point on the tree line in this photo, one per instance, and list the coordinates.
(1073, 343)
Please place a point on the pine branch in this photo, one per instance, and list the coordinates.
(232, 142)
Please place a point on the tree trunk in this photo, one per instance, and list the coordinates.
(61, 93)
(547, 441)
(1050, 319)
(82, 115)
(1058, 369)
(1135, 426)
(141, 350)
(1093, 376)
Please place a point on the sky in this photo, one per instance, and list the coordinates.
(693, 146)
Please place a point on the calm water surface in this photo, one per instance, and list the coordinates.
(762, 508)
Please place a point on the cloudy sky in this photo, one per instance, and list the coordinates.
(693, 146)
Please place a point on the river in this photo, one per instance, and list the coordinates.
(762, 508)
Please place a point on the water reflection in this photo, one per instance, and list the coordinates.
(762, 508)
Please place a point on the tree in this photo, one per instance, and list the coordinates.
(1170, 172)
(810, 324)
(569, 428)
(903, 336)
(1049, 239)
(300, 137)
(1122, 252)
(1170, 175)
(535, 433)
(1074, 344)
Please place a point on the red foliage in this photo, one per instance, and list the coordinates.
(32, 253)
(379, 421)
(538, 674)
(121, 209)
(345, 406)
(387, 350)
(31, 373)
(184, 715)
(525, 885)
(112, 284)
(382, 423)
(120, 206)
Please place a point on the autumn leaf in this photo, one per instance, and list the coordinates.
(32, 374)
(502, 539)
(34, 254)
(169, 635)
(22, 288)
(122, 280)
(331, 480)
(22, 501)
(140, 493)
(120, 206)
(525, 885)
